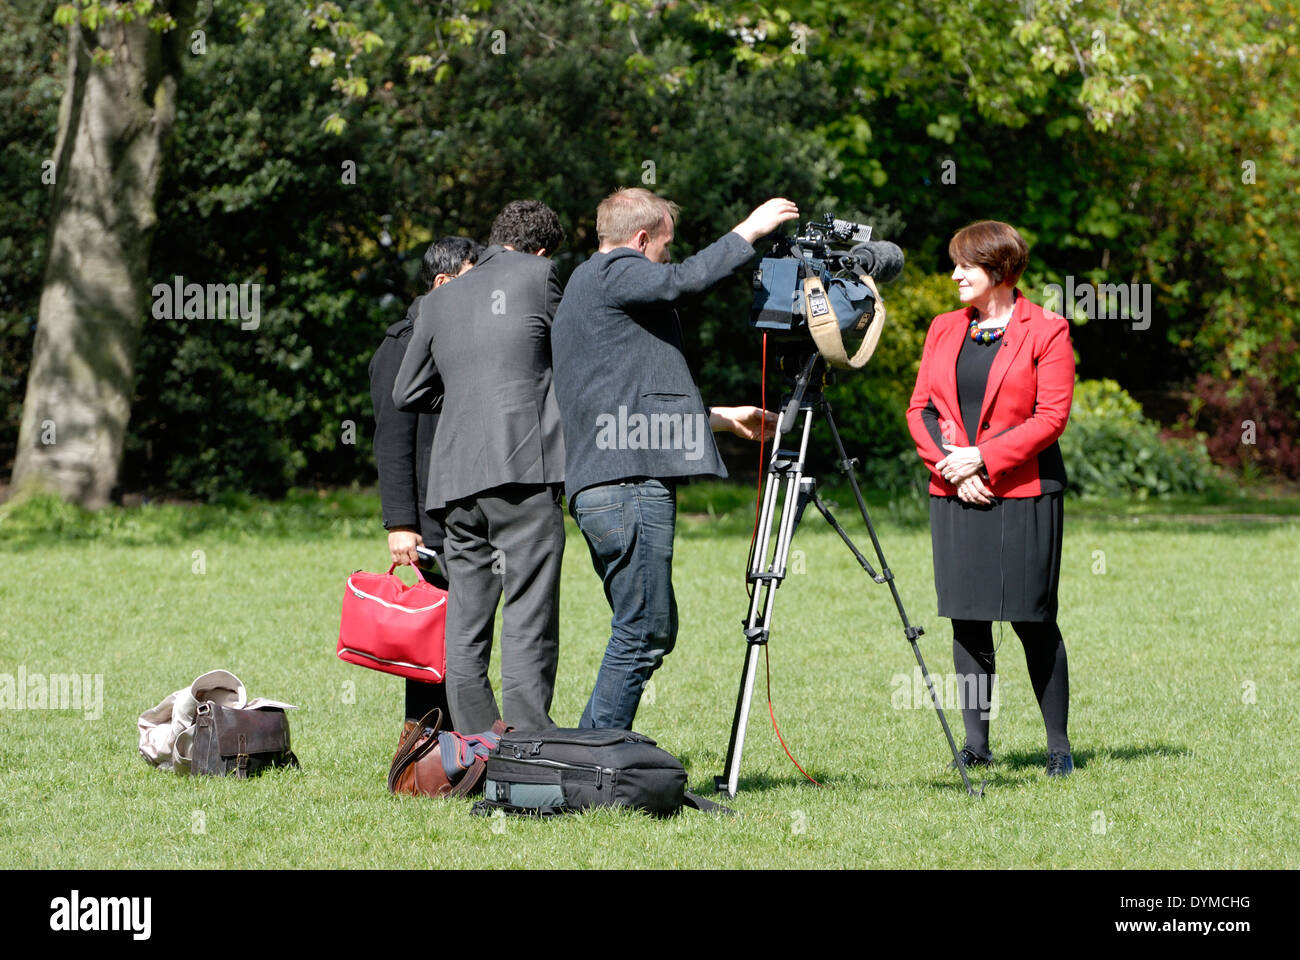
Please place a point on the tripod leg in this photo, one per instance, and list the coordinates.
(766, 577)
(943, 721)
(844, 535)
(886, 576)
(729, 781)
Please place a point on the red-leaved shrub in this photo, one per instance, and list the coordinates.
(1248, 424)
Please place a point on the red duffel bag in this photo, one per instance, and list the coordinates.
(389, 626)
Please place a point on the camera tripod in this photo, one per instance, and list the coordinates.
(787, 467)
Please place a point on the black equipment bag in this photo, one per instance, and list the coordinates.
(242, 742)
(549, 772)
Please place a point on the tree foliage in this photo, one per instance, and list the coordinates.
(1131, 143)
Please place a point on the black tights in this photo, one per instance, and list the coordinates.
(972, 654)
(422, 697)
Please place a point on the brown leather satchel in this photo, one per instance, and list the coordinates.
(432, 762)
(242, 742)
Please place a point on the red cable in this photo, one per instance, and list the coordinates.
(763, 401)
(768, 666)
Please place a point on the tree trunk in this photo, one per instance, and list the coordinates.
(114, 125)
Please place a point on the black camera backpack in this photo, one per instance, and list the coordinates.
(549, 772)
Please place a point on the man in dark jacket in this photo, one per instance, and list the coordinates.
(497, 466)
(403, 444)
(634, 423)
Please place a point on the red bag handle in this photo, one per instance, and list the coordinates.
(418, 579)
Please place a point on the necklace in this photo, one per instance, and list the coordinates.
(985, 336)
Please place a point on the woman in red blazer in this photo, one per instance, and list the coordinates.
(992, 398)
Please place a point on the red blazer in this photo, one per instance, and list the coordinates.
(1026, 403)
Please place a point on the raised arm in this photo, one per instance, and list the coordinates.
(636, 280)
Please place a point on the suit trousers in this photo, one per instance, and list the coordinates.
(504, 542)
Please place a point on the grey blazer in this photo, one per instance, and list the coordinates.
(629, 404)
(486, 336)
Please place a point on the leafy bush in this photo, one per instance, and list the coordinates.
(1111, 449)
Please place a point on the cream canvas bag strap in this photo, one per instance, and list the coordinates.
(824, 325)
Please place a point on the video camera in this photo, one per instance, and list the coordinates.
(808, 285)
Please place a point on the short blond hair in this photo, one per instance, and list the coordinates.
(629, 209)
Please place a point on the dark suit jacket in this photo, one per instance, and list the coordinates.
(403, 441)
(488, 334)
(1026, 403)
(617, 352)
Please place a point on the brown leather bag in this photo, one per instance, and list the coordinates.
(420, 769)
(242, 742)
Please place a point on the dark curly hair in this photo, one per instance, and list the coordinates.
(528, 226)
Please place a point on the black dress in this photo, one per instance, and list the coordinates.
(1003, 561)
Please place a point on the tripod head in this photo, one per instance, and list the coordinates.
(802, 369)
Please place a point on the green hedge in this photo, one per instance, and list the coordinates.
(1111, 448)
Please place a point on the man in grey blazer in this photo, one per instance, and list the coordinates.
(634, 422)
(497, 465)
(403, 445)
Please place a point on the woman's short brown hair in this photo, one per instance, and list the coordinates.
(629, 209)
(996, 246)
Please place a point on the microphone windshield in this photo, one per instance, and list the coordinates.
(880, 259)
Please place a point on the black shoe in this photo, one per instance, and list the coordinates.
(1059, 764)
(971, 759)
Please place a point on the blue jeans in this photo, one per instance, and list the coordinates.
(629, 530)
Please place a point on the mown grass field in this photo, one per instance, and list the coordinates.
(1184, 660)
